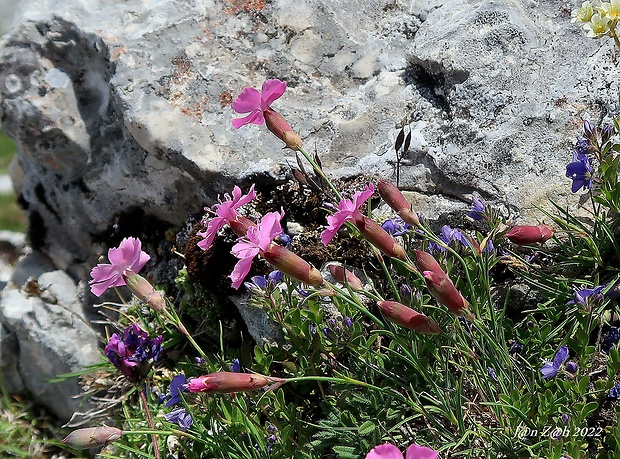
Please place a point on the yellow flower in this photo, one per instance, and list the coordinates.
(611, 9)
(597, 27)
(584, 13)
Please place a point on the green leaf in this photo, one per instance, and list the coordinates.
(367, 427)
(346, 452)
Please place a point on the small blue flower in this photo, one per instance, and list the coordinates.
(565, 418)
(571, 367)
(236, 366)
(588, 297)
(267, 283)
(177, 385)
(550, 369)
(581, 148)
(515, 348)
(284, 239)
(492, 373)
(614, 392)
(181, 417)
(348, 322)
(611, 339)
(395, 226)
(580, 172)
(478, 209)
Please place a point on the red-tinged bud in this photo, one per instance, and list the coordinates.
(529, 234)
(380, 238)
(224, 382)
(240, 225)
(281, 129)
(344, 276)
(92, 437)
(443, 290)
(145, 291)
(395, 199)
(291, 264)
(408, 318)
(426, 262)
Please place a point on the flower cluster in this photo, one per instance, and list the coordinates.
(600, 20)
(134, 353)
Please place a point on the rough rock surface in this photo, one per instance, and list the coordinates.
(43, 333)
(121, 108)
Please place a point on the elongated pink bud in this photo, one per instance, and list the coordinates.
(145, 291)
(240, 225)
(444, 291)
(281, 129)
(344, 276)
(92, 437)
(408, 318)
(224, 382)
(293, 265)
(380, 238)
(395, 199)
(426, 262)
(525, 234)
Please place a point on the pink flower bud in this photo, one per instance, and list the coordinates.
(395, 199)
(525, 234)
(281, 129)
(224, 382)
(444, 291)
(426, 262)
(408, 318)
(145, 291)
(380, 238)
(344, 276)
(293, 265)
(92, 437)
(240, 225)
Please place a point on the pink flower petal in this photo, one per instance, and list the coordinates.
(361, 197)
(272, 90)
(242, 200)
(244, 249)
(241, 269)
(386, 451)
(421, 452)
(249, 100)
(268, 228)
(215, 224)
(256, 117)
(334, 223)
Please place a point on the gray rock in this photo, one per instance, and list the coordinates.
(260, 326)
(120, 108)
(43, 335)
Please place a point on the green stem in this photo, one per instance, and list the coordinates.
(176, 320)
(320, 173)
(149, 418)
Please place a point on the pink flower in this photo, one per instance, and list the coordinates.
(227, 214)
(388, 451)
(348, 210)
(128, 258)
(257, 103)
(257, 240)
(259, 106)
(224, 382)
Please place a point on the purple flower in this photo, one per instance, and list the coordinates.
(396, 226)
(589, 129)
(264, 282)
(610, 340)
(348, 322)
(478, 209)
(581, 148)
(134, 353)
(614, 392)
(181, 417)
(284, 239)
(492, 373)
(177, 385)
(580, 172)
(571, 367)
(565, 418)
(236, 366)
(588, 297)
(515, 348)
(550, 369)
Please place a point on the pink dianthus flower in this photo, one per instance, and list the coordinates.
(227, 214)
(128, 258)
